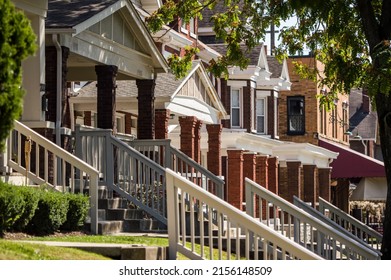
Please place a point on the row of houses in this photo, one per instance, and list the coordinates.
(97, 65)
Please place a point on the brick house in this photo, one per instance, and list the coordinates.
(250, 140)
(302, 119)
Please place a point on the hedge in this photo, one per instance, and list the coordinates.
(39, 210)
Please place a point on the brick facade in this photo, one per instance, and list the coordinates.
(106, 88)
(235, 178)
(146, 109)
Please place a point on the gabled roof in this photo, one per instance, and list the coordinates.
(75, 19)
(361, 121)
(257, 67)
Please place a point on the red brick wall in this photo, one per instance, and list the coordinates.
(248, 110)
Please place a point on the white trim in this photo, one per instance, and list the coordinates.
(236, 83)
(240, 108)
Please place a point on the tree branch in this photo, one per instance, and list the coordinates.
(369, 22)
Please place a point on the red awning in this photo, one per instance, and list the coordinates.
(352, 164)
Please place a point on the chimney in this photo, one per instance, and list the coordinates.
(366, 101)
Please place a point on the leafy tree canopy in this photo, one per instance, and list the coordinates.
(351, 39)
(17, 41)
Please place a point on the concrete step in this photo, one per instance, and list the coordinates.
(112, 203)
(122, 214)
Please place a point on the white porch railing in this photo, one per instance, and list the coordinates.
(167, 156)
(53, 166)
(304, 229)
(190, 231)
(124, 170)
(356, 227)
(322, 217)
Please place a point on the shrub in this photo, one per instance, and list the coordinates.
(50, 214)
(12, 206)
(78, 209)
(31, 197)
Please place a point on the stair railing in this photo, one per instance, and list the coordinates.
(124, 170)
(167, 156)
(304, 229)
(43, 162)
(190, 231)
(320, 216)
(356, 227)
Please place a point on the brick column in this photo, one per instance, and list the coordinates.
(235, 178)
(324, 183)
(214, 148)
(294, 179)
(106, 86)
(87, 118)
(146, 109)
(161, 123)
(197, 141)
(128, 123)
(51, 83)
(262, 175)
(272, 169)
(249, 169)
(188, 125)
(262, 170)
(310, 184)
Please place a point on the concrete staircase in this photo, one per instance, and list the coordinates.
(117, 215)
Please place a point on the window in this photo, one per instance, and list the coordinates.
(235, 108)
(260, 111)
(296, 118)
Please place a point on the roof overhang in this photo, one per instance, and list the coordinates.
(370, 189)
(352, 164)
(88, 49)
(37, 7)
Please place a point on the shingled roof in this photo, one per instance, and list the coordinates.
(361, 122)
(67, 14)
(275, 67)
(166, 85)
(253, 55)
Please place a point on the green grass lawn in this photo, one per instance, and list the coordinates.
(17, 250)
